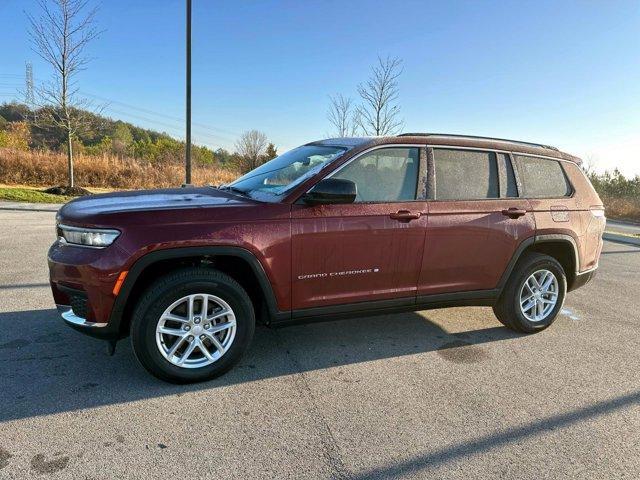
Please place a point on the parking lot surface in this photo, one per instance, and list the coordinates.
(437, 394)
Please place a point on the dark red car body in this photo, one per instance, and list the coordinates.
(300, 261)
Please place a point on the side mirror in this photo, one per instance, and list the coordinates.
(331, 191)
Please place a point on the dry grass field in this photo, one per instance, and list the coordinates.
(622, 208)
(46, 168)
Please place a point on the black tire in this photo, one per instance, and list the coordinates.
(170, 288)
(508, 308)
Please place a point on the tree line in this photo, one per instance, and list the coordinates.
(101, 135)
(613, 184)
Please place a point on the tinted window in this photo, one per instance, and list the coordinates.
(508, 187)
(465, 174)
(384, 175)
(542, 178)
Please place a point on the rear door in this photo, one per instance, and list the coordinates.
(368, 250)
(546, 186)
(476, 220)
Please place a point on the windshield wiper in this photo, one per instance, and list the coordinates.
(231, 188)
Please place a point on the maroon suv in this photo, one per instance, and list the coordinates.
(340, 227)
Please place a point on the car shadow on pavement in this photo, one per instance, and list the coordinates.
(417, 465)
(47, 368)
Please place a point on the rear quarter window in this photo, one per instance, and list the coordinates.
(542, 177)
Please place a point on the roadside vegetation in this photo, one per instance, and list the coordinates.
(31, 195)
(113, 154)
(105, 137)
(42, 168)
(621, 195)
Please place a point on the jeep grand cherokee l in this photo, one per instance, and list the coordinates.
(333, 228)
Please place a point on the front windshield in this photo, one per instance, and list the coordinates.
(286, 171)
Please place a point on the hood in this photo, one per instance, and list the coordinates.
(90, 208)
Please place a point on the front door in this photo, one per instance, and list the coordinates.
(476, 221)
(370, 249)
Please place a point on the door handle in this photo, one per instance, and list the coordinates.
(404, 215)
(513, 212)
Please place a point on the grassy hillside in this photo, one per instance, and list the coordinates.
(99, 136)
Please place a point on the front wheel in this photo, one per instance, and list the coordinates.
(534, 294)
(192, 325)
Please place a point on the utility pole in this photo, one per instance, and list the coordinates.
(188, 135)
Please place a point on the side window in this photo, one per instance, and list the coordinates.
(508, 186)
(542, 177)
(384, 175)
(465, 174)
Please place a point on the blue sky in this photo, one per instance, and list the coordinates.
(565, 73)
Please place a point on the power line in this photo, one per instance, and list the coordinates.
(174, 126)
(204, 130)
(159, 114)
(141, 109)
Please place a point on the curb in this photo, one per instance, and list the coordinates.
(612, 237)
(30, 207)
(630, 223)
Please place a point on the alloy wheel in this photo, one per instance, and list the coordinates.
(196, 330)
(539, 295)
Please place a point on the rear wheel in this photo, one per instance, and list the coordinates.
(534, 294)
(192, 325)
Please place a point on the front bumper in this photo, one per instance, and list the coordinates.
(102, 331)
(82, 281)
(66, 312)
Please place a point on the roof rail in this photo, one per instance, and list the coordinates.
(476, 137)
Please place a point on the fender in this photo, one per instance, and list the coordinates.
(527, 242)
(562, 237)
(145, 261)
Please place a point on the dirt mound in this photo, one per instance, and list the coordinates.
(68, 191)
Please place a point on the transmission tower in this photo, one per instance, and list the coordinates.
(28, 79)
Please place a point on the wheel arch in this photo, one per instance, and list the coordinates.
(239, 263)
(562, 247)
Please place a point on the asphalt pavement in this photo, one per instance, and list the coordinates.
(623, 227)
(437, 394)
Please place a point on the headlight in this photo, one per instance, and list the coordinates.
(88, 237)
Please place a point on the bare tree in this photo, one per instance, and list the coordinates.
(589, 164)
(60, 35)
(379, 113)
(343, 116)
(251, 148)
